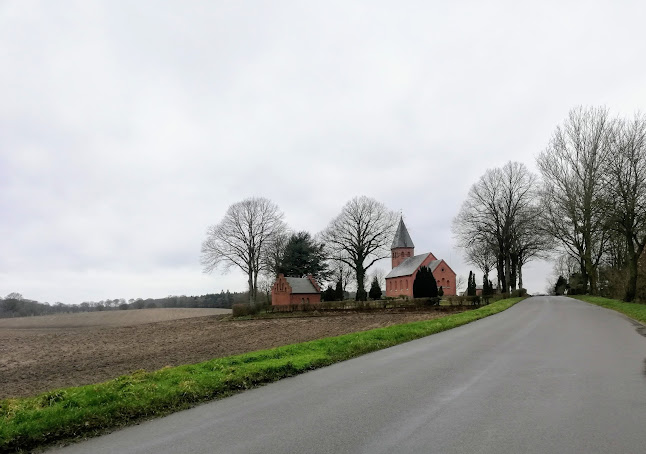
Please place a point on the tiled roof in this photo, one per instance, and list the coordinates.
(433, 264)
(402, 238)
(301, 285)
(410, 265)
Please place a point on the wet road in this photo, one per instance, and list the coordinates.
(549, 375)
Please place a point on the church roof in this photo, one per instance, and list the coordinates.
(408, 266)
(301, 285)
(402, 238)
(411, 264)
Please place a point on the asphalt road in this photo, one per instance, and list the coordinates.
(549, 375)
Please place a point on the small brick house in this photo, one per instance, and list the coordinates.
(405, 265)
(295, 290)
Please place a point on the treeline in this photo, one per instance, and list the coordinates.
(14, 305)
(587, 207)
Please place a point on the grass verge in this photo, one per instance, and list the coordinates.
(84, 411)
(636, 311)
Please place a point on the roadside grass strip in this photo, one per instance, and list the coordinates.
(90, 410)
(636, 311)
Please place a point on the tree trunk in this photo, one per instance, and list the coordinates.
(633, 262)
(514, 268)
(250, 282)
(361, 274)
(502, 283)
(507, 272)
(520, 275)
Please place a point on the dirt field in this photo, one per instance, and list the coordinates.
(40, 355)
(105, 318)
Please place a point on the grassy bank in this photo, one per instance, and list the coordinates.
(89, 410)
(635, 311)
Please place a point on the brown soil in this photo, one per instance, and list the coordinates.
(38, 359)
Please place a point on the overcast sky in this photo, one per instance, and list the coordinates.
(126, 128)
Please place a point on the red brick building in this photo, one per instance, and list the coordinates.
(295, 290)
(406, 264)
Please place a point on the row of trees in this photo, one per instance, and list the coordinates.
(253, 237)
(499, 226)
(594, 193)
(589, 207)
(15, 305)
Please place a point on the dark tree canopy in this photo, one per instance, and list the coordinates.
(302, 256)
(471, 285)
(560, 286)
(424, 285)
(329, 294)
(375, 289)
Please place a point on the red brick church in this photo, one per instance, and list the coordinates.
(406, 264)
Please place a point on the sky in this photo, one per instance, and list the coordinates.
(127, 128)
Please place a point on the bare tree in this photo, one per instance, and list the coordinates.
(625, 188)
(572, 167)
(482, 255)
(360, 236)
(274, 253)
(341, 272)
(497, 214)
(241, 239)
(459, 283)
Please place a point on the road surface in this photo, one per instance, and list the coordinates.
(549, 375)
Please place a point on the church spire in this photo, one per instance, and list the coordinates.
(402, 238)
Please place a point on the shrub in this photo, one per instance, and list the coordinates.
(244, 309)
(519, 292)
(424, 284)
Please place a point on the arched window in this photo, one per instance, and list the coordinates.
(406, 284)
(395, 284)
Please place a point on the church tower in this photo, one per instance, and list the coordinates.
(402, 246)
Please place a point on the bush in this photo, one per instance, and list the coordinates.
(244, 309)
(473, 300)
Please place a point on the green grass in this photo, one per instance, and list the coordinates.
(636, 311)
(89, 410)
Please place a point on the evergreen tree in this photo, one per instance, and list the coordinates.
(303, 256)
(440, 292)
(487, 286)
(375, 289)
(471, 285)
(329, 294)
(424, 285)
(338, 291)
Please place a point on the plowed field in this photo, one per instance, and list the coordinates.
(38, 356)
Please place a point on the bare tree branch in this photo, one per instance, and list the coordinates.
(362, 232)
(242, 239)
